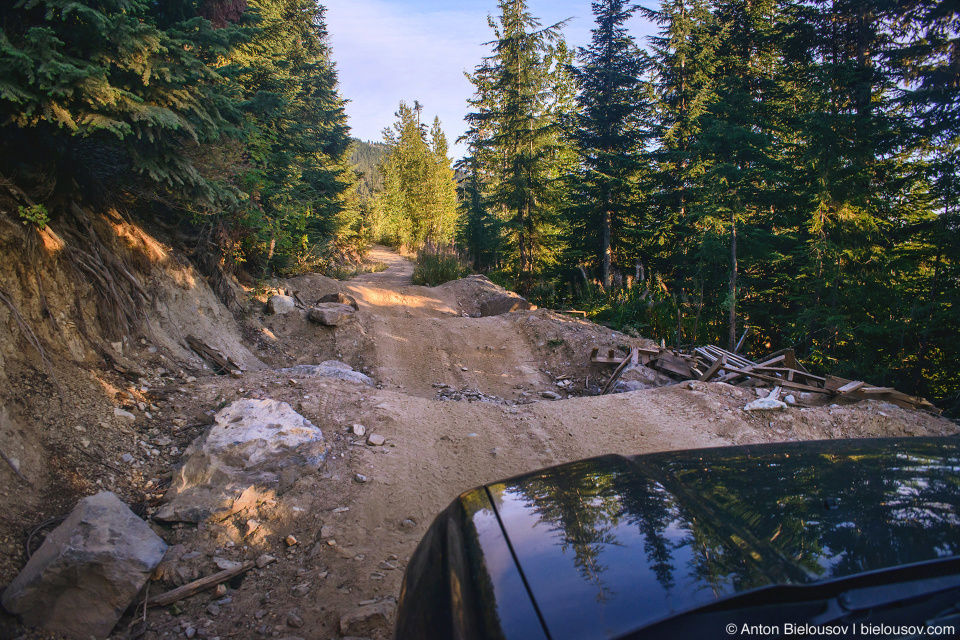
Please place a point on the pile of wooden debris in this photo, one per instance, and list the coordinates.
(781, 369)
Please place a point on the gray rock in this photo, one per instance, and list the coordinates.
(87, 571)
(339, 298)
(279, 305)
(365, 620)
(265, 560)
(361, 478)
(375, 440)
(499, 305)
(213, 609)
(294, 620)
(254, 447)
(331, 314)
(551, 395)
(127, 458)
(325, 370)
(124, 415)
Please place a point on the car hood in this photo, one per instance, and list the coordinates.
(613, 544)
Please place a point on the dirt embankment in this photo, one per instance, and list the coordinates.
(460, 400)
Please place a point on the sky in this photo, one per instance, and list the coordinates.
(392, 50)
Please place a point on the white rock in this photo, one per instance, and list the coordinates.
(279, 305)
(375, 440)
(791, 400)
(765, 404)
(254, 447)
(358, 429)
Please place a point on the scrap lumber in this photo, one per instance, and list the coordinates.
(205, 351)
(197, 586)
(674, 364)
(638, 355)
(713, 369)
(850, 386)
(612, 382)
(710, 362)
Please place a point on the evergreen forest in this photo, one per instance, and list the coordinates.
(787, 167)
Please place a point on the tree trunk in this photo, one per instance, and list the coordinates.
(732, 338)
(607, 275)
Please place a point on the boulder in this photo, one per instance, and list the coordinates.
(499, 305)
(87, 571)
(329, 369)
(340, 298)
(254, 448)
(331, 314)
(279, 305)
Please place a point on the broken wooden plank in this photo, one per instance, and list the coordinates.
(572, 312)
(197, 586)
(714, 369)
(612, 382)
(751, 367)
(789, 384)
(205, 351)
(872, 390)
(851, 386)
(674, 364)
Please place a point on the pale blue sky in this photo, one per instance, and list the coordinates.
(392, 50)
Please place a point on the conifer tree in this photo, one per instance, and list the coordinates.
(515, 136)
(608, 131)
(300, 184)
(419, 200)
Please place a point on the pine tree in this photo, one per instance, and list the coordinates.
(609, 129)
(97, 93)
(419, 200)
(300, 182)
(684, 63)
(514, 134)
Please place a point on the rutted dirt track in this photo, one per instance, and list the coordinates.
(459, 400)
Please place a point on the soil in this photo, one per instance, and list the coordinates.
(459, 399)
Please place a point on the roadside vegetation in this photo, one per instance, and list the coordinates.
(785, 165)
(438, 264)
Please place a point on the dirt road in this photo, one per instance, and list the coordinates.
(355, 534)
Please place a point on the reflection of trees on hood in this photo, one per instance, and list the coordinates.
(652, 510)
(818, 515)
(581, 509)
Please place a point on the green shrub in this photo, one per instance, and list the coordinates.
(35, 214)
(439, 264)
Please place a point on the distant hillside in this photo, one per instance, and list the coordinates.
(365, 158)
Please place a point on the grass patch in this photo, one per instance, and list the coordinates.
(436, 265)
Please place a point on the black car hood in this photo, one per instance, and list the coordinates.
(613, 544)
